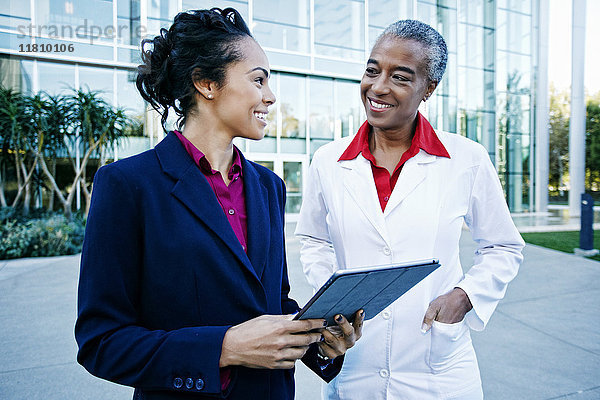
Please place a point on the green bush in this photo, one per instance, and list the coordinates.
(42, 234)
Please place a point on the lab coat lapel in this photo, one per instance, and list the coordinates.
(194, 191)
(412, 175)
(258, 222)
(359, 182)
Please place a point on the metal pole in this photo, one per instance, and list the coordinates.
(542, 133)
(577, 124)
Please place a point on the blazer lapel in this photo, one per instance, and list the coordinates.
(194, 191)
(258, 222)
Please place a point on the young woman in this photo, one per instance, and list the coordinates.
(183, 291)
(399, 191)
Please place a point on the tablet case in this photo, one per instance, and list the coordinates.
(369, 288)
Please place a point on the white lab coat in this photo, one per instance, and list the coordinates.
(341, 226)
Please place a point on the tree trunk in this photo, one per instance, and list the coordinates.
(2, 175)
(51, 194)
(24, 187)
(65, 204)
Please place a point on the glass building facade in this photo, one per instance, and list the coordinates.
(317, 50)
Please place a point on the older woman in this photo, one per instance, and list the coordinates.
(399, 191)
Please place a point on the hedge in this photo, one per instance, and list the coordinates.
(39, 234)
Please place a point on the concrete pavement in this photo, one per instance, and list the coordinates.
(542, 343)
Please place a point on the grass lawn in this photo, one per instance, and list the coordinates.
(562, 241)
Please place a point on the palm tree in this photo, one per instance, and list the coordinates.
(16, 142)
(95, 127)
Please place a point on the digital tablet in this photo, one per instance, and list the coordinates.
(369, 288)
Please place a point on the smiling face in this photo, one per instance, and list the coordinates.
(394, 83)
(240, 107)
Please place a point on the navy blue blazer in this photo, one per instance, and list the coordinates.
(163, 277)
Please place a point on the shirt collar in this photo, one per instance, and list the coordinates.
(425, 138)
(201, 161)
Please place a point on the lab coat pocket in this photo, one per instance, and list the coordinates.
(448, 343)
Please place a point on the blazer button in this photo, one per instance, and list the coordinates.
(231, 211)
(199, 384)
(189, 383)
(177, 383)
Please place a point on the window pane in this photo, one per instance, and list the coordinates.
(349, 106)
(128, 19)
(284, 37)
(128, 96)
(56, 78)
(82, 19)
(321, 108)
(160, 15)
(384, 12)
(339, 29)
(292, 176)
(16, 74)
(97, 79)
(295, 13)
(240, 5)
(18, 17)
(271, 128)
(292, 105)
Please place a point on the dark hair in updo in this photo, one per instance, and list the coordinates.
(200, 44)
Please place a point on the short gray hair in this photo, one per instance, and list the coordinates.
(435, 46)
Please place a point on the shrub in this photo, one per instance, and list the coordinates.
(44, 235)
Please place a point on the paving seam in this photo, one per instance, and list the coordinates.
(565, 396)
(548, 334)
(39, 367)
(545, 297)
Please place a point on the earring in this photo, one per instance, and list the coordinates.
(209, 96)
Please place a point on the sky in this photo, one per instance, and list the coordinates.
(559, 57)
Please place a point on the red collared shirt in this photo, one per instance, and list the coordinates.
(231, 198)
(424, 138)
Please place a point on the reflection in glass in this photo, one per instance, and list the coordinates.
(18, 17)
(128, 20)
(293, 106)
(384, 12)
(240, 5)
(292, 176)
(16, 74)
(160, 15)
(349, 106)
(81, 19)
(514, 32)
(271, 128)
(292, 103)
(97, 79)
(339, 28)
(282, 25)
(128, 96)
(56, 78)
(321, 108)
(267, 164)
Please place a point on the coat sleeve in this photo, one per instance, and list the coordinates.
(316, 253)
(113, 345)
(499, 244)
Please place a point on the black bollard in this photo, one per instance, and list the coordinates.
(586, 234)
